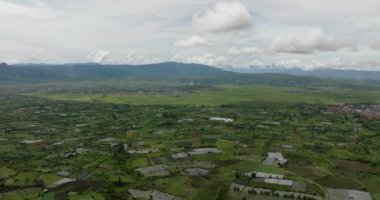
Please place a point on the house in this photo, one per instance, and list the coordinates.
(152, 171)
(345, 194)
(220, 119)
(143, 151)
(31, 141)
(151, 194)
(197, 172)
(61, 182)
(278, 181)
(57, 144)
(274, 157)
(358, 195)
(63, 173)
(287, 146)
(81, 150)
(269, 161)
(179, 155)
(200, 151)
(108, 139)
(69, 154)
(185, 120)
(264, 175)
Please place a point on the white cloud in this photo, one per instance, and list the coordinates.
(193, 41)
(62, 31)
(306, 42)
(205, 59)
(255, 63)
(100, 56)
(311, 64)
(34, 12)
(10, 62)
(244, 51)
(295, 63)
(107, 57)
(376, 45)
(226, 16)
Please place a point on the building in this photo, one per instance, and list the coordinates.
(345, 194)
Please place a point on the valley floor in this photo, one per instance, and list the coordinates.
(145, 140)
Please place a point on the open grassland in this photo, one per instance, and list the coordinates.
(228, 94)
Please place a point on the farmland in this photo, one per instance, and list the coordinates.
(228, 94)
(187, 141)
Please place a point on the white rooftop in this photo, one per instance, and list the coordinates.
(180, 155)
(61, 182)
(200, 151)
(31, 141)
(265, 175)
(278, 181)
(227, 120)
(276, 155)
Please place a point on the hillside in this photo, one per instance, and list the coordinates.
(325, 73)
(91, 71)
(156, 72)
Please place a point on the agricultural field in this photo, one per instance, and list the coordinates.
(224, 94)
(209, 142)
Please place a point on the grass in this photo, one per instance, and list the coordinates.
(244, 166)
(47, 196)
(205, 195)
(213, 157)
(340, 182)
(270, 169)
(228, 94)
(21, 196)
(226, 146)
(49, 178)
(178, 186)
(376, 196)
(373, 184)
(310, 171)
(140, 162)
(257, 197)
(25, 179)
(5, 172)
(86, 196)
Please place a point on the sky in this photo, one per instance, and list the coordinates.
(309, 34)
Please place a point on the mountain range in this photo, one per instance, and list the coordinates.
(319, 73)
(180, 71)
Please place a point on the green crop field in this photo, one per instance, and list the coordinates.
(270, 169)
(228, 94)
(109, 139)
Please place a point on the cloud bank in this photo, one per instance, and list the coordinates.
(301, 42)
(235, 33)
(193, 41)
(226, 16)
(244, 51)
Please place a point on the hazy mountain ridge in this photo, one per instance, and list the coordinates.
(96, 71)
(151, 72)
(319, 73)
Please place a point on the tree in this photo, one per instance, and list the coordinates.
(237, 175)
(119, 182)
